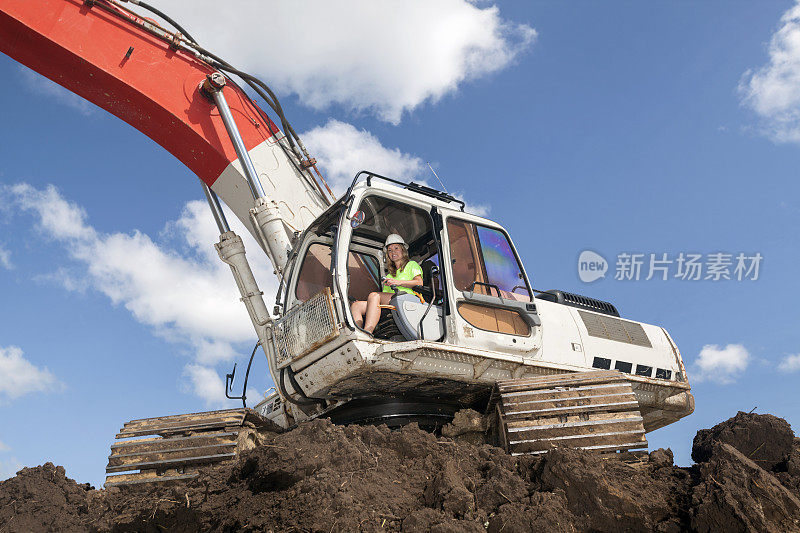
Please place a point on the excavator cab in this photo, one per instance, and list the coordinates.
(474, 292)
(377, 214)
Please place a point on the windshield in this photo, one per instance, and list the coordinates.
(484, 262)
(383, 217)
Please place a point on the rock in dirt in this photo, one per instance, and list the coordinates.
(661, 458)
(468, 425)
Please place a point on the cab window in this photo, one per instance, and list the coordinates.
(383, 217)
(315, 273)
(484, 262)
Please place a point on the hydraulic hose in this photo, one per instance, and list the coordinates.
(229, 379)
(161, 14)
(266, 93)
(430, 304)
(282, 385)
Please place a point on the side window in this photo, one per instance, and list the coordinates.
(464, 254)
(315, 273)
(484, 262)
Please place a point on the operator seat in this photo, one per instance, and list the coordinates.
(416, 319)
(425, 290)
(420, 317)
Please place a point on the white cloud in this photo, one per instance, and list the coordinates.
(773, 90)
(180, 288)
(381, 56)
(42, 86)
(9, 468)
(253, 395)
(209, 385)
(482, 210)
(790, 363)
(206, 384)
(342, 150)
(18, 376)
(5, 259)
(57, 217)
(721, 365)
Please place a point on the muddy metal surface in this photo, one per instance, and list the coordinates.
(322, 477)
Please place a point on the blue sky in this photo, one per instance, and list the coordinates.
(617, 127)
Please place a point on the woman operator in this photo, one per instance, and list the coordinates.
(402, 275)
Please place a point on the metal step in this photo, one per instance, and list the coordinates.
(595, 410)
(178, 445)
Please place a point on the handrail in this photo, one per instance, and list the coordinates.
(415, 187)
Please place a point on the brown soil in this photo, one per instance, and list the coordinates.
(322, 477)
(765, 439)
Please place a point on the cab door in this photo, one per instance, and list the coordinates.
(491, 305)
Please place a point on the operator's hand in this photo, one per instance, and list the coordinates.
(392, 282)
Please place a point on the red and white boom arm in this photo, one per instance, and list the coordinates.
(148, 77)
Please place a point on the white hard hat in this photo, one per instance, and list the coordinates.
(394, 238)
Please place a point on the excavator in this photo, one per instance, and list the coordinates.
(540, 369)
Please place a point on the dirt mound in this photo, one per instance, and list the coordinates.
(765, 439)
(735, 494)
(613, 495)
(322, 477)
(44, 499)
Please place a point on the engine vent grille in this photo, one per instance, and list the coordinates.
(580, 301)
(615, 329)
